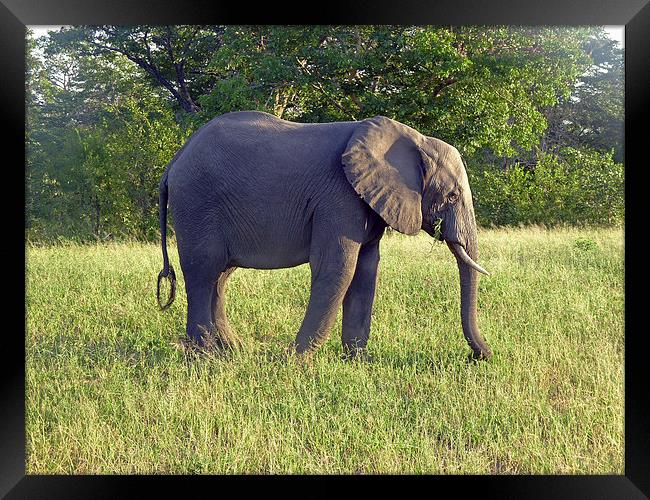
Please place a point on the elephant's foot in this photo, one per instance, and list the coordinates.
(359, 354)
(194, 348)
(225, 336)
(302, 357)
(479, 355)
(215, 339)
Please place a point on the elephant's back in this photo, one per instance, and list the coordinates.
(256, 140)
(240, 150)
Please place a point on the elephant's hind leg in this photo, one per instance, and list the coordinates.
(199, 289)
(223, 330)
(202, 265)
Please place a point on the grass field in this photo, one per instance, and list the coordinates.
(110, 389)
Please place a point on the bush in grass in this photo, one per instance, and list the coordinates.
(575, 186)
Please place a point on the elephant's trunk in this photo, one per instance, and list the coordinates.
(468, 297)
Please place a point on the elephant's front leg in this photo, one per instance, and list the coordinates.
(357, 304)
(332, 270)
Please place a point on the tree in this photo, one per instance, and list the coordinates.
(108, 106)
(53, 173)
(475, 87)
(174, 57)
(98, 137)
(594, 112)
(124, 156)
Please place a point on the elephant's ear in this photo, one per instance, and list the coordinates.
(382, 162)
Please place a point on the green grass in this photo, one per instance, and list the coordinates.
(110, 390)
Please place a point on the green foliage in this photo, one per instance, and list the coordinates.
(108, 106)
(125, 156)
(98, 141)
(593, 114)
(478, 88)
(173, 57)
(576, 186)
(585, 244)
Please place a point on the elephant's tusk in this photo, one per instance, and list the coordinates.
(462, 254)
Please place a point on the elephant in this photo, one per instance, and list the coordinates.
(250, 190)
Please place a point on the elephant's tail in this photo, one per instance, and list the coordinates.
(168, 270)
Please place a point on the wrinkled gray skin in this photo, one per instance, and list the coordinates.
(250, 190)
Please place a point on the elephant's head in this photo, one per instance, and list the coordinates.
(416, 182)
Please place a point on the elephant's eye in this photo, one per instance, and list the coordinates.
(452, 197)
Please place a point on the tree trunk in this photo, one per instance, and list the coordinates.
(98, 218)
(144, 206)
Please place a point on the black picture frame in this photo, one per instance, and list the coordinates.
(15, 15)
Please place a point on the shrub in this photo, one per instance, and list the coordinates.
(575, 186)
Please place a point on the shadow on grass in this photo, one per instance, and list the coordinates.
(432, 363)
(151, 352)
